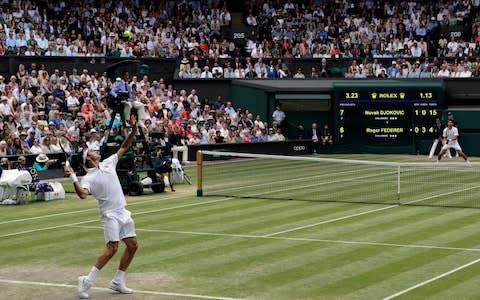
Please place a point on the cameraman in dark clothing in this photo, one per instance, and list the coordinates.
(161, 170)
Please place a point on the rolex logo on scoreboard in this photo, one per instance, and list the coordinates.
(402, 96)
(374, 95)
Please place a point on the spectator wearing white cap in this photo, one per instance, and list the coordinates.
(73, 104)
(206, 73)
(5, 108)
(96, 140)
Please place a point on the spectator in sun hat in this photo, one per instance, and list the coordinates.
(5, 108)
(23, 141)
(185, 61)
(52, 127)
(42, 162)
(393, 70)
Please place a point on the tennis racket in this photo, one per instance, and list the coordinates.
(71, 151)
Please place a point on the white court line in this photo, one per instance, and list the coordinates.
(249, 236)
(173, 294)
(325, 183)
(154, 211)
(86, 210)
(295, 179)
(44, 229)
(96, 220)
(367, 212)
(155, 200)
(431, 280)
(230, 198)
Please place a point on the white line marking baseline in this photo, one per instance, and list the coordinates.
(173, 294)
(249, 236)
(431, 280)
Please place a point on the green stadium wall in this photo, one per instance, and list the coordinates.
(260, 97)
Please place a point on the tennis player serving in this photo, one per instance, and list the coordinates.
(101, 182)
(450, 136)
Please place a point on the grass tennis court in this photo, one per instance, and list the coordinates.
(233, 248)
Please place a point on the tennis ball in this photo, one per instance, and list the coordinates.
(127, 34)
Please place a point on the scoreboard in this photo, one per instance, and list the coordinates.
(386, 113)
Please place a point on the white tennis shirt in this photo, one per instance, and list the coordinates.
(450, 133)
(103, 184)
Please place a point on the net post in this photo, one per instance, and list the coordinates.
(199, 157)
(398, 183)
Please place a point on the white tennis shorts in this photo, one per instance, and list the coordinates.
(118, 225)
(452, 144)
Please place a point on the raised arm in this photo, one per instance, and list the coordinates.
(81, 192)
(126, 144)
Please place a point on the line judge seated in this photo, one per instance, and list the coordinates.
(42, 162)
(122, 92)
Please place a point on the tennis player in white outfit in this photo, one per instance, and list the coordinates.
(102, 183)
(450, 136)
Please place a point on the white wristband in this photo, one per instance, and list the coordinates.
(74, 178)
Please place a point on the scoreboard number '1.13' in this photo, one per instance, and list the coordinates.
(385, 115)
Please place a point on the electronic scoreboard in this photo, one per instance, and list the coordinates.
(386, 113)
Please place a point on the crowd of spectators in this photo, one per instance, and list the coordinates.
(421, 68)
(110, 28)
(283, 29)
(37, 107)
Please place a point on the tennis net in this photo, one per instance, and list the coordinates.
(243, 175)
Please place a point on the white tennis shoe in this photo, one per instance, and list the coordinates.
(120, 287)
(83, 287)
